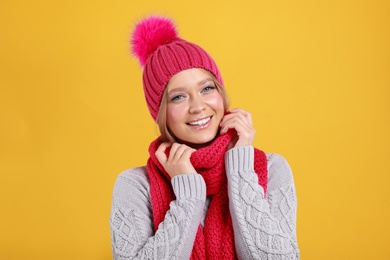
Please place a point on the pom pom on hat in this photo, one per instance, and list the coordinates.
(149, 34)
(162, 53)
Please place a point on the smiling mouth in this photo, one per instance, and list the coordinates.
(200, 122)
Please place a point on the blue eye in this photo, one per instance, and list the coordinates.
(208, 88)
(177, 98)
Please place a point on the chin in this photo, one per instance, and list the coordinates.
(200, 142)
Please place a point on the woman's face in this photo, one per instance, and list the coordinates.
(195, 107)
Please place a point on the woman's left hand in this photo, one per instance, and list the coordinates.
(241, 121)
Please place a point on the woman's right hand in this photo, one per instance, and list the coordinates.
(178, 161)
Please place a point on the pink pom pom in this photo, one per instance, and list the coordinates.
(149, 34)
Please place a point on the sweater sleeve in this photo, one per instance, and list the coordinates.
(131, 219)
(264, 227)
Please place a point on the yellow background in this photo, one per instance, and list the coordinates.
(314, 74)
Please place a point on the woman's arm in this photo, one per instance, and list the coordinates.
(131, 220)
(264, 228)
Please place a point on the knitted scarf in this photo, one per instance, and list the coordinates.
(216, 239)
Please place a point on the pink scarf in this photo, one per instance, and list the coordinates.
(216, 239)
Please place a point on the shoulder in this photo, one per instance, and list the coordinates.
(130, 184)
(279, 172)
(137, 174)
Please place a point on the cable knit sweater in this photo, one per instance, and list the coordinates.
(264, 228)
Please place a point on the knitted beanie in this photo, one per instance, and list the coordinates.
(163, 54)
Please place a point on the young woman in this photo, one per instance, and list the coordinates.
(206, 192)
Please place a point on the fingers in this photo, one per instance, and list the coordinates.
(236, 117)
(180, 152)
(160, 152)
(241, 121)
(178, 160)
(243, 112)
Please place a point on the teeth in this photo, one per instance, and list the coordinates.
(200, 122)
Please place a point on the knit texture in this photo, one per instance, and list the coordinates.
(163, 54)
(132, 224)
(216, 239)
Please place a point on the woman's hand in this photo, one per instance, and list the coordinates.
(241, 121)
(178, 161)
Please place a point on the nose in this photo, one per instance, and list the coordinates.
(197, 105)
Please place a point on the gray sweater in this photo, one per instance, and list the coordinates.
(264, 228)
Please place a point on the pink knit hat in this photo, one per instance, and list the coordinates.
(163, 54)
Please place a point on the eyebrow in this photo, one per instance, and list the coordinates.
(204, 81)
(181, 89)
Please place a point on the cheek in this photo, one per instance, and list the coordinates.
(174, 115)
(216, 102)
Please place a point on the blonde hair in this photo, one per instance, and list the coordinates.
(166, 134)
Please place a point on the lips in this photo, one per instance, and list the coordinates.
(200, 122)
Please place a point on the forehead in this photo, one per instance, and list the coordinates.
(189, 78)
